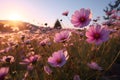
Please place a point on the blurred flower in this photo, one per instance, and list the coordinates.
(8, 49)
(76, 77)
(97, 34)
(112, 30)
(58, 58)
(108, 23)
(118, 17)
(113, 16)
(71, 44)
(62, 36)
(27, 41)
(3, 72)
(32, 59)
(29, 67)
(9, 59)
(94, 65)
(45, 42)
(81, 17)
(2, 51)
(47, 70)
(65, 13)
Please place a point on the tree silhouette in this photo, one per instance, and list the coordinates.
(112, 12)
(57, 25)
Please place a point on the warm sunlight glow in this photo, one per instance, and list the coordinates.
(15, 16)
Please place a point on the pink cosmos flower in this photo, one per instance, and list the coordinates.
(47, 70)
(81, 17)
(58, 59)
(94, 65)
(3, 72)
(9, 59)
(65, 13)
(62, 36)
(32, 59)
(97, 34)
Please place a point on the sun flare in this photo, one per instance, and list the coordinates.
(15, 16)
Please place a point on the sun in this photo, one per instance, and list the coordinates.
(15, 16)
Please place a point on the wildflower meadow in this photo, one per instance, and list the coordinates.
(87, 52)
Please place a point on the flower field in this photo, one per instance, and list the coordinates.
(61, 54)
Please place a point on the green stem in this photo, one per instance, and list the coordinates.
(113, 61)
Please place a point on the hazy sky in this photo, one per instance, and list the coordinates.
(42, 11)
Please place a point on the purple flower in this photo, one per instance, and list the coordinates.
(3, 72)
(81, 17)
(58, 59)
(47, 70)
(76, 77)
(62, 36)
(97, 34)
(32, 59)
(9, 59)
(94, 65)
(65, 13)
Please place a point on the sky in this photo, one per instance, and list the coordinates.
(40, 12)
